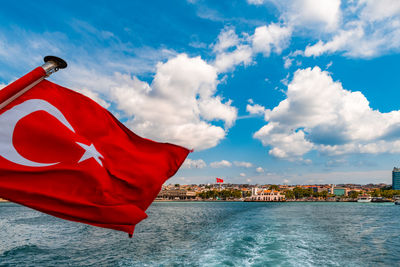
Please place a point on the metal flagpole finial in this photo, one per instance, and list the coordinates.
(53, 64)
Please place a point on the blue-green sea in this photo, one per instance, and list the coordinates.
(211, 234)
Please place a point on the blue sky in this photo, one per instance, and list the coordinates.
(265, 91)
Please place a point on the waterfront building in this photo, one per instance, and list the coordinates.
(319, 189)
(340, 191)
(266, 195)
(396, 178)
(245, 191)
(177, 194)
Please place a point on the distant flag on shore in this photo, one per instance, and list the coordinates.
(219, 180)
(63, 154)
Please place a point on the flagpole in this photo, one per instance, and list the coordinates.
(53, 64)
(22, 85)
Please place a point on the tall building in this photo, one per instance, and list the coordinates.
(396, 178)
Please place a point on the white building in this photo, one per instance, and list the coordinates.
(266, 195)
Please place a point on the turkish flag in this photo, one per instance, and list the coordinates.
(219, 180)
(63, 154)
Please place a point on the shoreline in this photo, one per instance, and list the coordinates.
(176, 200)
(354, 201)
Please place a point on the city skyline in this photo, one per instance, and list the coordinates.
(264, 92)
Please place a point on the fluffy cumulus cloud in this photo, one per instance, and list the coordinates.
(243, 164)
(379, 10)
(369, 29)
(194, 164)
(226, 61)
(255, 109)
(226, 39)
(178, 106)
(259, 170)
(271, 37)
(220, 164)
(313, 13)
(359, 28)
(232, 50)
(319, 114)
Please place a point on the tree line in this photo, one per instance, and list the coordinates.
(299, 193)
(223, 194)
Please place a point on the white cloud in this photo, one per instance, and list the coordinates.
(259, 170)
(335, 162)
(319, 114)
(255, 109)
(179, 104)
(193, 163)
(370, 28)
(255, 2)
(379, 10)
(315, 12)
(359, 28)
(220, 164)
(243, 164)
(242, 174)
(288, 145)
(232, 51)
(351, 41)
(271, 37)
(321, 16)
(226, 39)
(288, 62)
(228, 60)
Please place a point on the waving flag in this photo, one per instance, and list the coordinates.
(63, 154)
(219, 180)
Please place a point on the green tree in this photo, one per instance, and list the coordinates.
(224, 194)
(289, 194)
(353, 194)
(376, 193)
(274, 187)
(300, 193)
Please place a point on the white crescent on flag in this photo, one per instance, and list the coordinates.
(10, 118)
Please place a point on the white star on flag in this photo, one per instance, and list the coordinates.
(90, 152)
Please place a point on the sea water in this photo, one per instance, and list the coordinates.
(211, 234)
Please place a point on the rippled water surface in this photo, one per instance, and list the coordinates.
(211, 234)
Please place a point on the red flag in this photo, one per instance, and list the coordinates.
(63, 154)
(219, 180)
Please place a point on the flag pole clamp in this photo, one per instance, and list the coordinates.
(53, 64)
